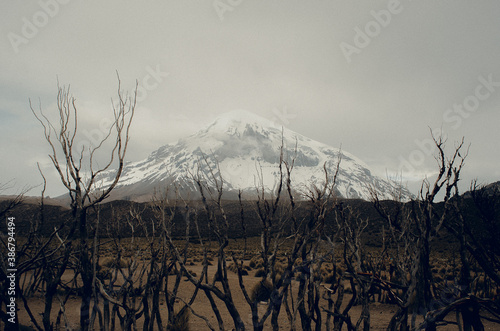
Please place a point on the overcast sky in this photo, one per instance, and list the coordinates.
(372, 76)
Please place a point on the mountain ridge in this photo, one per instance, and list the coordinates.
(245, 149)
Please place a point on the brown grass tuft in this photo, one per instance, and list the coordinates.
(181, 320)
(261, 291)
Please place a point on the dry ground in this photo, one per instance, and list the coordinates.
(380, 314)
(379, 318)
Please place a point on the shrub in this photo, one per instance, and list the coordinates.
(180, 320)
(328, 277)
(256, 262)
(104, 273)
(277, 277)
(279, 268)
(261, 291)
(110, 262)
(234, 268)
(260, 273)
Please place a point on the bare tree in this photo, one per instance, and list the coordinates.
(415, 225)
(474, 223)
(477, 226)
(79, 172)
(41, 260)
(351, 227)
(5, 208)
(11, 203)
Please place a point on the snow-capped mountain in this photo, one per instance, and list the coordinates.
(245, 149)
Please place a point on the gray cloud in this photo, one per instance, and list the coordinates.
(261, 56)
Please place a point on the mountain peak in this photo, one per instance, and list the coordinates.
(242, 115)
(240, 118)
(245, 149)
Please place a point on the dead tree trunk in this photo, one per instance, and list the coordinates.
(76, 169)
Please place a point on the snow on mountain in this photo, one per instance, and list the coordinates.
(246, 148)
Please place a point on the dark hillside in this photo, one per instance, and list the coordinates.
(122, 218)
